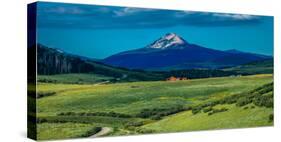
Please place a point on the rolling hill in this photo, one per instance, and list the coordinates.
(256, 67)
(154, 107)
(51, 62)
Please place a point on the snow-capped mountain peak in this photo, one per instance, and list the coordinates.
(167, 41)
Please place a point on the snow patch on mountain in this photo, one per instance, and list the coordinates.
(167, 41)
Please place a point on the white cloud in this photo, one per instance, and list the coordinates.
(181, 14)
(65, 10)
(130, 11)
(235, 16)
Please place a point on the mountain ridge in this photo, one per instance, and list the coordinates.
(172, 50)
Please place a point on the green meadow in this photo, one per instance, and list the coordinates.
(235, 117)
(67, 109)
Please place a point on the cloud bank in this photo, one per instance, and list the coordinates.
(58, 15)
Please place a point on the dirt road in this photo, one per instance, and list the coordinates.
(104, 131)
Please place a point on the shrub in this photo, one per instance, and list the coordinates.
(83, 114)
(41, 120)
(196, 110)
(134, 124)
(109, 114)
(156, 117)
(246, 107)
(69, 113)
(158, 113)
(208, 109)
(243, 101)
(217, 111)
(44, 94)
(260, 96)
(228, 100)
(144, 131)
(266, 101)
(271, 118)
(44, 80)
(91, 132)
(256, 95)
(210, 113)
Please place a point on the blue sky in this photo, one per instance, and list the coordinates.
(100, 31)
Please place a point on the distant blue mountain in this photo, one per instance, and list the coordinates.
(172, 52)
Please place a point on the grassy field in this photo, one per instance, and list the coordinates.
(73, 78)
(62, 130)
(235, 117)
(147, 107)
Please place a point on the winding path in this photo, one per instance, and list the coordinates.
(102, 132)
(101, 83)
